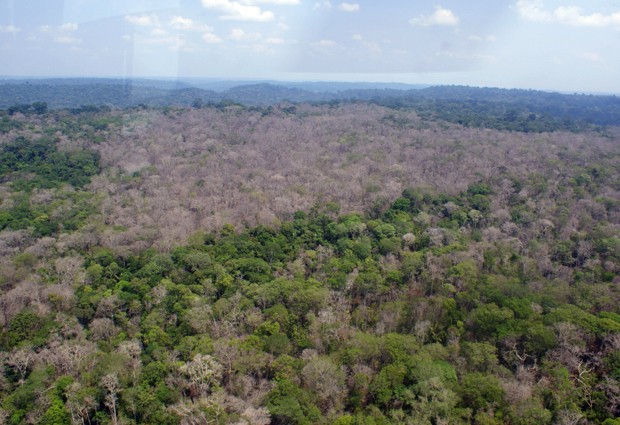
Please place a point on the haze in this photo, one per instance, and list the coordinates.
(565, 45)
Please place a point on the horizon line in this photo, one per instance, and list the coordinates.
(306, 81)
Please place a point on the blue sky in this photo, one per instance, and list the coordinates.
(567, 45)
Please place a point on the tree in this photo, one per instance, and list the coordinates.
(327, 381)
(481, 392)
(289, 404)
(81, 402)
(204, 374)
(111, 386)
(487, 320)
(56, 414)
(22, 360)
(39, 107)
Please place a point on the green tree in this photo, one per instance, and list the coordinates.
(481, 392)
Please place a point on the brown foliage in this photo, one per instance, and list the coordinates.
(170, 174)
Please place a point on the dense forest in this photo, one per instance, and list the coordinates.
(517, 110)
(342, 262)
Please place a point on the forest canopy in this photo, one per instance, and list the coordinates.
(312, 263)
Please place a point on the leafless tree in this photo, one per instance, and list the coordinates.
(203, 373)
(22, 360)
(111, 386)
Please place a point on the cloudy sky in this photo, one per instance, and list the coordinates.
(567, 45)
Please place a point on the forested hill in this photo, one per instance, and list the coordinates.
(518, 110)
(481, 106)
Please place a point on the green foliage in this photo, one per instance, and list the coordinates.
(24, 397)
(27, 328)
(434, 309)
(46, 218)
(277, 344)
(524, 111)
(38, 165)
(489, 321)
(344, 420)
(588, 322)
(7, 124)
(56, 414)
(50, 166)
(289, 404)
(389, 385)
(530, 411)
(480, 357)
(481, 392)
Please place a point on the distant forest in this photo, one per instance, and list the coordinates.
(515, 110)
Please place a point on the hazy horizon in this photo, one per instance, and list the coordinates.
(249, 80)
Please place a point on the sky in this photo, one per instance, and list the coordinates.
(563, 45)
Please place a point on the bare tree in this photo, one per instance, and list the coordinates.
(22, 360)
(80, 405)
(326, 379)
(111, 386)
(203, 373)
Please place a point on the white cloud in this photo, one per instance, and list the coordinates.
(532, 10)
(187, 24)
(259, 48)
(373, 48)
(11, 29)
(211, 38)
(535, 11)
(235, 11)
(143, 20)
(441, 16)
(574, 16)
(479, 39)
(275, 40)
(154, 34)
(65, 39)
(591, 56)
(173, 42)
(324, 43)
(322, 5)
(69, 27)
(349, 7)
(61, 34)
(237, 34)
(181, 23)
(276, 2)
